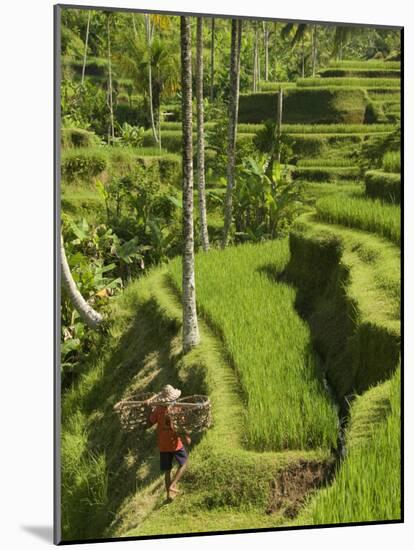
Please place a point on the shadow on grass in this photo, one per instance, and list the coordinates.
(142, 361)
(274, 274)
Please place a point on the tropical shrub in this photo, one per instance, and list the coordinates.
(84, 106)
(264, 204)
(137, 206)
(132, 136)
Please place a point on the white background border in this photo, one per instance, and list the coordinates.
(26, 275)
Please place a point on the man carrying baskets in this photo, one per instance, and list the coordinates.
(169, 442)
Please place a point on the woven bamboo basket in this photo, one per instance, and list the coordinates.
(134, 413)
(188, 414)
(191, 414)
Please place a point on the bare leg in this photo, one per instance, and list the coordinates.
(168, 482)
(178, 475)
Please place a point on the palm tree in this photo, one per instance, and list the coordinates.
(191, 336)
(149, 29)
(91, 317)
(342, 36)
(212, 60)
(314, 49)
(110, 90)
(266, 48)
(256, 58)
(200, 137)
(300, 33)
(86, 47)
(154, 71)
(275, 150)
(236, 33)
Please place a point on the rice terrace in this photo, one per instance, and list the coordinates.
(231, 227)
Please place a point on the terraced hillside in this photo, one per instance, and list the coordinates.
(351, 271)
(299, 306)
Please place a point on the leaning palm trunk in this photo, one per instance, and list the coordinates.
(236, 30)
(191, 335)
(110, 92)
(86, 48)
(149, 41)
(91, 317)
(200, 137)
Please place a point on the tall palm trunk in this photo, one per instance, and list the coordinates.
(258, 56)
(110, 91)
(213, 24)
(255, 60)
(200, 137)
(151, 106)
(279, 123)
(86, 47)
(303, 58)
(191, 336)
(91, 317)
(314, 50)
(236, 33)
(266, 48)
(275, 151)
(275, 50)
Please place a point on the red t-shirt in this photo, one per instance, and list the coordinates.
(168, 440)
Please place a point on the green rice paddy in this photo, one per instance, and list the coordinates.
(268, 343)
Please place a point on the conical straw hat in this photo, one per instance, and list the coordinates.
(167, 394)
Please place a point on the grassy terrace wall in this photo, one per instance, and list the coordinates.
(307, 106)
(293, 128)
(77, 137)
(383, 185)
(325, 173)
(348, 285)
(360, 73)
(351, 82)
(315, 145)
(371, 64)
(83, 165)
(172, 139)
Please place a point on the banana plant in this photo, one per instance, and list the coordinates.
(265, 206)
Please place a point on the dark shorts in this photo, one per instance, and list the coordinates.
(166, 459)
